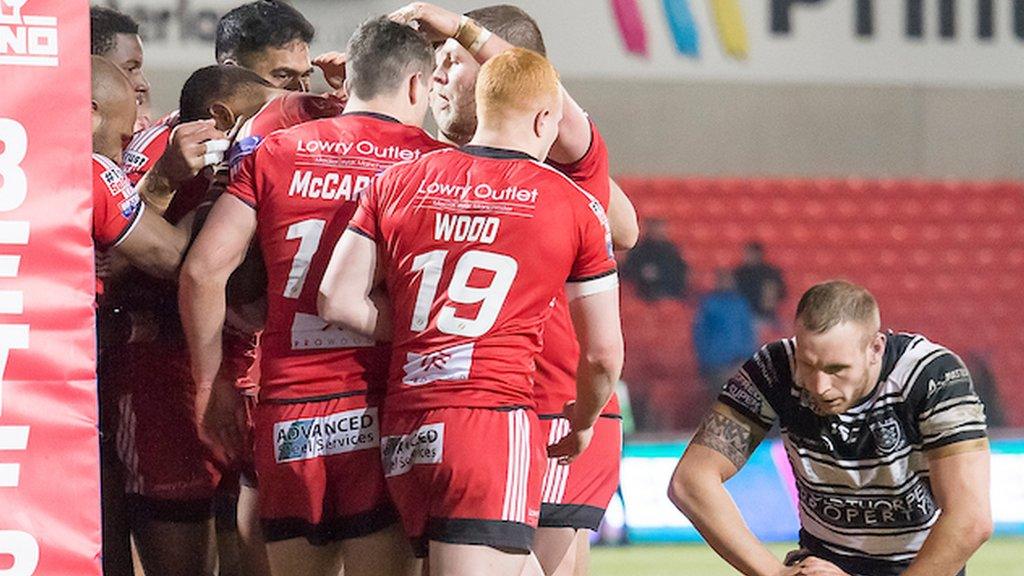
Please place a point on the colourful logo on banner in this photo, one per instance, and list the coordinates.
(727, 21)
(26, 40)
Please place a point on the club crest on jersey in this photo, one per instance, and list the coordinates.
(887, 434)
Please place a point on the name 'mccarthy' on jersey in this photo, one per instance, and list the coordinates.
(477, 242)
(863, 476)
(304, 184)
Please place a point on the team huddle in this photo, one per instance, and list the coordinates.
(384, 346)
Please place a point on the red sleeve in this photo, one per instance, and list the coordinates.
(243, 181)
(593, 270)
(591, 171)
(146, 147)
(364, 222)
(116, 205)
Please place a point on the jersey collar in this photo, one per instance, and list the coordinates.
(496, 153)
(377, 115)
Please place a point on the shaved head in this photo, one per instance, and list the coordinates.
(114, 108)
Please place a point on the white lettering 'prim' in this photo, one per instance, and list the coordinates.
(24, 548)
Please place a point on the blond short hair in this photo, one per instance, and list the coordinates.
(517, 81)
(831, 303)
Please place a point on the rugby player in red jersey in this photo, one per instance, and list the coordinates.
(268, 37)
(122, 225)
(323, 499)
(574, 497)
(120, 220)
(172, 478)
(472, 246)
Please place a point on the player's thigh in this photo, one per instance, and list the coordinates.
(473, 560)
(176, 548)
(582, 553)
(383, 553)
(555, 549)
(297, 557)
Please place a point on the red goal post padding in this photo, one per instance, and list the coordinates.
(49, 461)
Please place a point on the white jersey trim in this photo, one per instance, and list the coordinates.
(606, 283)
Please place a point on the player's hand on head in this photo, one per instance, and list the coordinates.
(434, 22)
(332, 64)
(192, 147)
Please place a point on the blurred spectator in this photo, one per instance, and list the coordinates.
(723, 332)
(655, 266)
(760, 283)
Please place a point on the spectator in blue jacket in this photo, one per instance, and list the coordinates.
(723, 332)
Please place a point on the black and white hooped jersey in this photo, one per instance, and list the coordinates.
(865, 499)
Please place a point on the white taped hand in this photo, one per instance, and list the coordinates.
(215, 150)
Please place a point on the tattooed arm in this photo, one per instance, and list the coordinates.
(717, 451)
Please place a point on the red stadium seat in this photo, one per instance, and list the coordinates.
(944, 258)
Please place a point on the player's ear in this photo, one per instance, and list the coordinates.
(415, 88)
(540, 122)
(877, 347)
(97, 119)
(223, 116)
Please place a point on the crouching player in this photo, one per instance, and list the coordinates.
(885, 435)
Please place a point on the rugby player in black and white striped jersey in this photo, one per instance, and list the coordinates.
(885, 435)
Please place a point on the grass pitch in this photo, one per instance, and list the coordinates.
(1001, 557)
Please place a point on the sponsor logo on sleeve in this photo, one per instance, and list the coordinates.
(741, 390)
(448, 364)
(134, 160)
(951, 377)
(308, 438)
(117, 183)
(424, 445)
(129, 206)
(240, 149)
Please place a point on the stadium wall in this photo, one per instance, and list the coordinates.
(778, 89)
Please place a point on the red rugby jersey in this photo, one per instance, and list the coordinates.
(558, 360)
(477, 243)
(304, 184)
(147, 146)
(116, 207)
